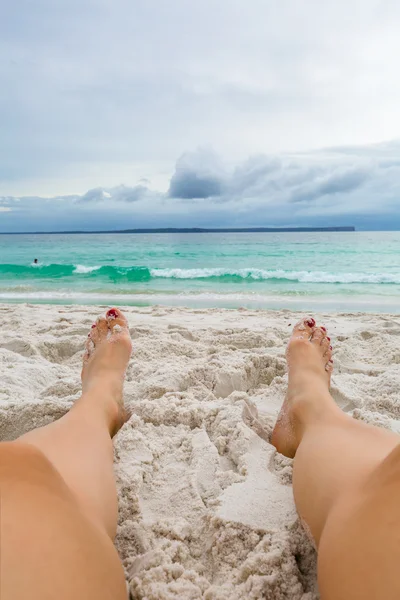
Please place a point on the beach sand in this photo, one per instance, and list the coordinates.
(206, 506)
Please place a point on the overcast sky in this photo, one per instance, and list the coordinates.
(133, 113)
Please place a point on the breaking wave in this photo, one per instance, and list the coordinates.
(138, 273)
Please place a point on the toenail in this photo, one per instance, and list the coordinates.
(330, 348)
(328, 338)
(323, 328)
(94, 325)
(112, 313)
(310, 323)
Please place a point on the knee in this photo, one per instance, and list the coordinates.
(24, 462)
(393, 459)
(387, 473)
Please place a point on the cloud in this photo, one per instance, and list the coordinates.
(119, 193)
(353, 186)
(341, 181)
(190, 185)
(130, 194)
(197, 175)
(244, 78)
(249, 176)
(94, 195)
(295, 179)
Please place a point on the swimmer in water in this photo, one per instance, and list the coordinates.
(35, 262)
(59, 499)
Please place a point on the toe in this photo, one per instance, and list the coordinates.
(93, 335)
(318, 336)
(305, 327)
(89, 347)
(97, 333)
(328, 349)
(325, 344)
(329, 366)
(116, 320)
(101, 328)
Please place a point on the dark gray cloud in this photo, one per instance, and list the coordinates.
(190, 185)
(197, 175)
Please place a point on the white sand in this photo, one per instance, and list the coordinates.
(206, 508)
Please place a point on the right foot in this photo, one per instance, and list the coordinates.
(309, 357)
(107, 353)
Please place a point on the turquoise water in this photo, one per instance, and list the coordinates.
(330, 271)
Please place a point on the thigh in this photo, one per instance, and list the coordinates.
(49, 547)
(359, 552)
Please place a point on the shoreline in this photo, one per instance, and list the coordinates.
(205, 505)
(374, 305)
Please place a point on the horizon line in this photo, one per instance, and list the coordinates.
(345, 228)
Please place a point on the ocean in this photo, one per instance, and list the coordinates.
(343, 271)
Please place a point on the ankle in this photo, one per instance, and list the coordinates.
(308, 407)
(110, 387)
(103, 406)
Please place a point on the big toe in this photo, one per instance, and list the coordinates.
(304, 328)
(116, 320)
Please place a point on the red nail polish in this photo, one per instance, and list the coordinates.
(310, 323)
(328, 338)
(323, 328)
(330, 348)
(94, 325)
(112, 313)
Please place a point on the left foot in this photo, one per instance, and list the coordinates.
(309, 357)
(107, 353)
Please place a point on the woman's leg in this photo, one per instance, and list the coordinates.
(346, 478)
(58, 495)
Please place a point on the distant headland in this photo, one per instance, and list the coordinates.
(239, 230)
(201, 230)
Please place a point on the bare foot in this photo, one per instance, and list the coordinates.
(310, 364)
(107, 352)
